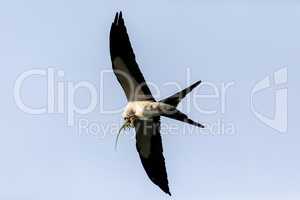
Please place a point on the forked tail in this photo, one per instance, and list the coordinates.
(174, 100)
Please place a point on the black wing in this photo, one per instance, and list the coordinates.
(149, 147)
(124, 65)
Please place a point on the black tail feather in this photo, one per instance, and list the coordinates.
(176, 98)
(176, 114)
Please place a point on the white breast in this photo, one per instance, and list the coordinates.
(144, 109)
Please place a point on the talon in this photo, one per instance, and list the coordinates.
(131, 120)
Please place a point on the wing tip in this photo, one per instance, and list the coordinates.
(164, 186)
(168, 192)
(118, 18)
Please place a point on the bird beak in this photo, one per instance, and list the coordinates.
(124, 126)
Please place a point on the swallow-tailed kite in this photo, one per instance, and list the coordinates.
(143, 112)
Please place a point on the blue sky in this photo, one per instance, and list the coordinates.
(238, 43)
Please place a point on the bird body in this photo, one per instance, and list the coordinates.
(143, 112)
(145, 109)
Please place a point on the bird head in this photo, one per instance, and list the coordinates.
(128, 123)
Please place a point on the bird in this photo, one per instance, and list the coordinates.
(142, 111)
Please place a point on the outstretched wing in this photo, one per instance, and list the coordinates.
(149, 147)
(124, 65)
